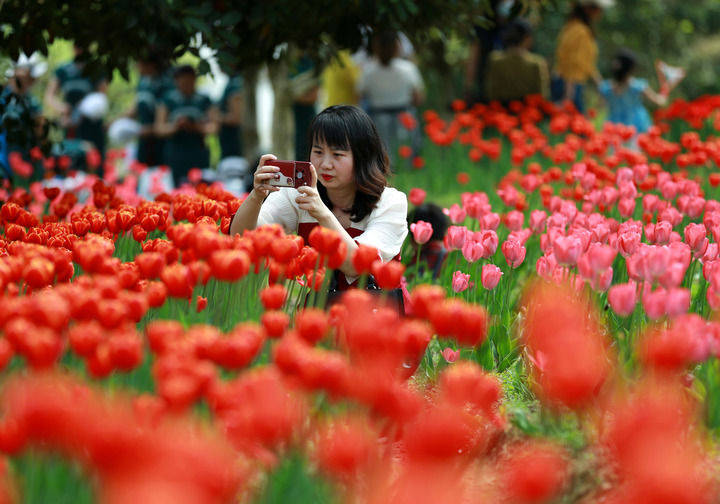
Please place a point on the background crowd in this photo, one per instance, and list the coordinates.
(175, 125)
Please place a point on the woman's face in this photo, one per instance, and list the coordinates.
(334, 166)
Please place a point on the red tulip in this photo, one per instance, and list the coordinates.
(363, 258)
(387, 275)
(417, 196)
(273, 297)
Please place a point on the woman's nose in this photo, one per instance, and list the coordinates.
(326, 161)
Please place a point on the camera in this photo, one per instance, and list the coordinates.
(292, 173)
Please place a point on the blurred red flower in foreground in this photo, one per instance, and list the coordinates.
(563, 336)
(136, 457)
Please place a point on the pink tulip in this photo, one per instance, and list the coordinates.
(649, 202)
(537, 220)
(640, 172)
(422, 231)
(457, 214)
(695, 207)
(655, 303)
(514, 253)
(489, 241)
(655, 261)
(650, 233)
(696, 238)
(557, 220)
(568, 209)
(567, 249)
(627, 191)
(602, 281)
(679, 251)
(490, 276)
(673, 275)
(610, 195)
(624, 174)
(521, 236)
(713, 298)
(460, 281)
(514, 220)
(472, 250)
(600, 233)
(455, 237)
(450, 355)
(546, 265)
(626, 207)
(672, 215)
(711, 253)
(588, 181)
(677, 302)
(601, 256)
(509, 195)
(623, 298)
(663, 231)
(628, 243)
(490, 221)
(668, 189)
(416, 196)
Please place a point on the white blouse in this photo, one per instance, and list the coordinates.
(384, 228)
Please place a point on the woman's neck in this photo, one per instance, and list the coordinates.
(342, 198)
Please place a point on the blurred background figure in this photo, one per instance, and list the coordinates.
(624, 93)
(233, 168)
(432, 253)
(231, 109)
(487, 39)
(304, 89)
(78, 97)
(19, 104)
(391, 85)
(339, 80)
(515, 72)
(577, 53)
(154, 83)
(184, 118)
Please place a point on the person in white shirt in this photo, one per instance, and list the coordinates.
(348, 193)
(390, 86)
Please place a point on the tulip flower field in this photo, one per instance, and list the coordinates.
(566, 351)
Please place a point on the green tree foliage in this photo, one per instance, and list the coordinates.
(244, 32)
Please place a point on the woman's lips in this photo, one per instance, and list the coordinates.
(327, 177)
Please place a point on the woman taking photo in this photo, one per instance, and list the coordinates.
(348, 192)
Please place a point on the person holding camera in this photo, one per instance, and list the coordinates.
(184, 118)
(348, 191)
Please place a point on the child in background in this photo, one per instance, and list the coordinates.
(433, 252)
(624, 94)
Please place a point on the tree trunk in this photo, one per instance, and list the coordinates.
(283, 126)
(250, 138)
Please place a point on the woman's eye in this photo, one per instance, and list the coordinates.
(339, 154)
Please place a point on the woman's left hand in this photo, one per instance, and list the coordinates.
(309, 199)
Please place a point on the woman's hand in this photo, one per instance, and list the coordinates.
(309, 199)
(263, 175)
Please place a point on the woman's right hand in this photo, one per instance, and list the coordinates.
(263, 175)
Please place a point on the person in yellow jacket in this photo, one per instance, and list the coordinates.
(339, 80)
(577, 52)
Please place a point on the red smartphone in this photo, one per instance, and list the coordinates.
(292, 173)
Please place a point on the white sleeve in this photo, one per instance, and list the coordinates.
(278, 208)
(387, 225)
(415, 77)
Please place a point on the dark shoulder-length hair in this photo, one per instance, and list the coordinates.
(581, 13)
(348, 127)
